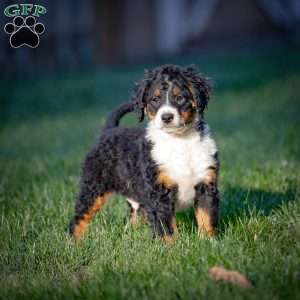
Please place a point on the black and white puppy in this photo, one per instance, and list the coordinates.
(169, 166)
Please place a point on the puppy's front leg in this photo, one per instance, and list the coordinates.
(161, 216)
(207, 205)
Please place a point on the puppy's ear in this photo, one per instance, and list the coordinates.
(199, 86)
(140, 93)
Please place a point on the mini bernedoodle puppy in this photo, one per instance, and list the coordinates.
(169, 166)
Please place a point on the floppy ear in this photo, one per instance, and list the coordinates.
(199, 86)
(140, 92)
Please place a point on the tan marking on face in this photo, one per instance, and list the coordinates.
(187, 116)
(164, 179)
(211, 176)
(176, 91)
(157, 93)
(82, 225)
(203, 220)
(151, 115)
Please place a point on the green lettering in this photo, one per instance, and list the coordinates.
(12, 10)
(39, 10)
(26, 8)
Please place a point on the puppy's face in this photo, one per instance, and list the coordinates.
(170, 105)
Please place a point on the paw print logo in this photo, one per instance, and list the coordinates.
(24, 32)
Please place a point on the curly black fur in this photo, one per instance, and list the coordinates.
(121, 163)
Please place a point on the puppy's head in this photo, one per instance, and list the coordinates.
(173, 98)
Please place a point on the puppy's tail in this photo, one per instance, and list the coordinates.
(115, 116)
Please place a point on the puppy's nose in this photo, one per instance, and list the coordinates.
(167, 117)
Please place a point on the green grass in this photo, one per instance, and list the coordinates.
(47, 126)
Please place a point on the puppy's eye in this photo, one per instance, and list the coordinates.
(180, 99)
(154, 100)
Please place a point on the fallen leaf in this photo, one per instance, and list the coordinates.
(230, 276)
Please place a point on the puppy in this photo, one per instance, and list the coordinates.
(169, 166)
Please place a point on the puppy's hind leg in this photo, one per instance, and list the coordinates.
(89, 201)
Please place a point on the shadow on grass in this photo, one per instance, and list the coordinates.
(238, 202)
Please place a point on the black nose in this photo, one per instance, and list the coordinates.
(167, 117)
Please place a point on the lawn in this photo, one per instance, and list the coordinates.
(49, 122)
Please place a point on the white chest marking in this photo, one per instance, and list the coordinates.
(185, 159)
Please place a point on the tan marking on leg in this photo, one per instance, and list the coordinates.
(142, 216)
(174, 225)
(137, 218)
(82, 225)
(203, 220)
(170, 239)
(167, 239)
(164, 179)
(133, 219)
(211, 175)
